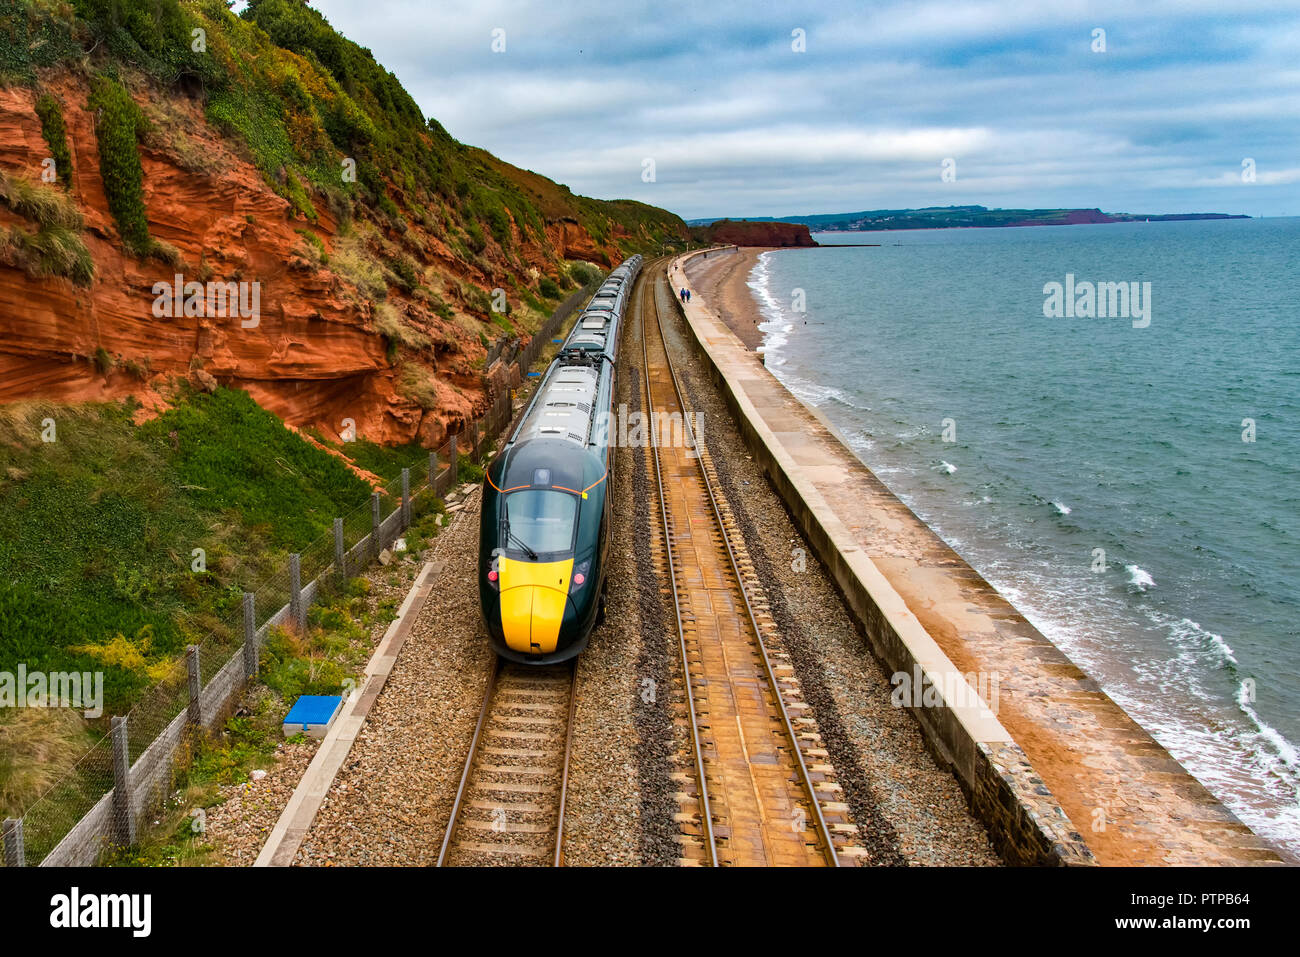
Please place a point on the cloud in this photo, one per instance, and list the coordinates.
(739, 123)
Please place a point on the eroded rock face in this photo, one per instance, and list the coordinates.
(313, 356)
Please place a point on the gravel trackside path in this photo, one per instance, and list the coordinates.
(391, 799)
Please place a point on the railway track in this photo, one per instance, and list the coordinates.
(759, 799)
(509, 807)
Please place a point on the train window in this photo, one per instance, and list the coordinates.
(542, 518)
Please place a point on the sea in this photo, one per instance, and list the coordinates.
(1130, 482)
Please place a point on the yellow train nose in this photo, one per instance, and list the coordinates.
(533, 595)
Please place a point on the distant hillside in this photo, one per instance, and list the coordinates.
(949, 217)
(263, 148)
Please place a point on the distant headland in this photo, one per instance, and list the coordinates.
(949, 217)
(753, 232)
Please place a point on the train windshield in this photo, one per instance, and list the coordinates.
(540, 519)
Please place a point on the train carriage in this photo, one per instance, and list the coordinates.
(543, 534)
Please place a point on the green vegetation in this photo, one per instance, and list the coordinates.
(34, 34)
(235, 458)
(949, 217)
(118, 129)
(39, 204)
(315, 247)
(327, 126)
(388, 461)
(584, 274)
(52, 251)
(97, 529)
(467, 470)
(333, 648)
(50, 110)
(55, 248)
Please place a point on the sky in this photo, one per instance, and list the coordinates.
(1176, 107)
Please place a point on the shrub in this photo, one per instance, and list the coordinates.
(296, 193)
(584, 274)
(119, 161)
(315, 247)
(474, 237)
(548, 288)
(405, 271)
(50, 110)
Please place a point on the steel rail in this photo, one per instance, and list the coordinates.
(469, 760)
(706, 818)
(466, 777)
(564, 774)
(823, 830)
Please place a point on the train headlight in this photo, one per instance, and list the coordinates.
(579, 579)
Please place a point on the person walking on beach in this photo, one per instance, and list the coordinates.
(681, 294)
(688, 295)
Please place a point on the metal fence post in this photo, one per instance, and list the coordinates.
(455, 462)
(406, 498)
(196, 685)
(15, 853)
(295, 590)
(250, 637)
(374, 525)
(433, 471)
(340, 555)
(123, 807)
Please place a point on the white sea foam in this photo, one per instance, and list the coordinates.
(1187, 632)
(1139, 578)
(1285, 749)
(772, 324)
(1061, 509)
(947, 467)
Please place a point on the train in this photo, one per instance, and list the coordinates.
(547, 500)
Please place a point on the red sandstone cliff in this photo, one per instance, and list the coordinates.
(746, 233)
(315, 358)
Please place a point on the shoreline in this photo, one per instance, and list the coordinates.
(1091, 753)
(722, 279)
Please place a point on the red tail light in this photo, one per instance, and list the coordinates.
(579, 576)
(492, 575)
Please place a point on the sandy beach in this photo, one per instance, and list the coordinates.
(722, 280)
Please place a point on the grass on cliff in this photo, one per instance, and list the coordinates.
(55, 248)
(51, 251)
(39, 203)
(98, 528)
